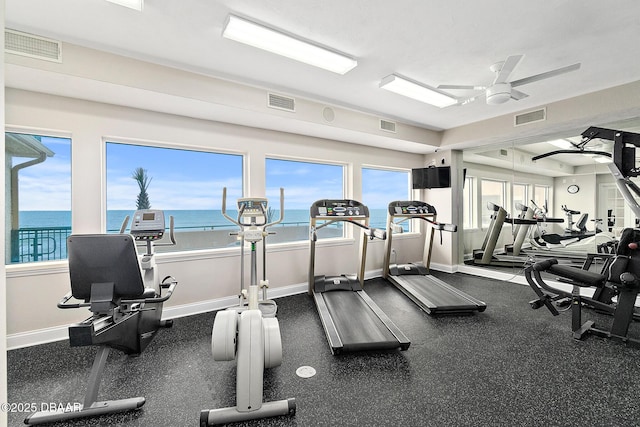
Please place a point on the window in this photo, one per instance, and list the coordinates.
(491, 192)
(303, 183)
(186, 184)
(541, 196)
(520, 195)
(379, 188)
(470, 220)
(38, 197)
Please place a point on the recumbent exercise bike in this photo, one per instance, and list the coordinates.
(125, 296)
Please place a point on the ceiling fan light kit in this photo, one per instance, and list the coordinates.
(499, 93)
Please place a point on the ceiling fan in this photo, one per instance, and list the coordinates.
(501, 90)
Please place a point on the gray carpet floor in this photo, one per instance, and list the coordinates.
(507, 366)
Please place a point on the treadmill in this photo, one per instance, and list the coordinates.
(350, 318)
(431, 294)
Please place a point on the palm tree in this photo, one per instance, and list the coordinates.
(141, 177)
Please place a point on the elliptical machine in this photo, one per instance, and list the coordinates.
(125, 297)
(250, 330)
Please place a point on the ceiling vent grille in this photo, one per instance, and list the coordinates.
(281, 102)
(530, 117)
(32, 46)
(387, 126)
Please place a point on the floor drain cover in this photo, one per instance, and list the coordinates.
(305, 371)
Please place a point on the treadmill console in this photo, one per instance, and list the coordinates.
(148, 224)
(333, 209)
(411, 208)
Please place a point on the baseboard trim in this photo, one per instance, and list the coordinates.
(60, 333)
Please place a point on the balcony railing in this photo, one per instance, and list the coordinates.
(32, 244)
(39, 244)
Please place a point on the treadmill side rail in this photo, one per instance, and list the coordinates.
(403, 341)
(335, 343)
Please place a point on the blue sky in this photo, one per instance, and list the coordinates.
(47, 185)
(182, 179)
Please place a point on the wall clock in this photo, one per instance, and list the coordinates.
(573, 189)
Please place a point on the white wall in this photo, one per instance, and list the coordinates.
(203, 275)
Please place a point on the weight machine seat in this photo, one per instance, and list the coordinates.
(626, 261)
(580, 277)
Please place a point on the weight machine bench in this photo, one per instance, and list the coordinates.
(622, 277)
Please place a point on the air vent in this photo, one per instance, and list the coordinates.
(530, 117)
(504, 153)
(387, 126)
(281, 102)
(32, 46)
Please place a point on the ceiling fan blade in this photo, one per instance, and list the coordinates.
(507, 68)
(517, 95)
(465, 87)
(465, 101)
(546, 75)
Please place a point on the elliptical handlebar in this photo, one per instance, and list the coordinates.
(224, 208)
(281, 210)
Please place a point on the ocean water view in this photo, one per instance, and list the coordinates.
(184, 219)
(42, 235)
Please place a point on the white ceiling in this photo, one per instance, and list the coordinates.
(434, 42)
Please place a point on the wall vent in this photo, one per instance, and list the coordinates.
(504, 153)
(530, 117)
(32, 46)
(387, 126)
(281, 102)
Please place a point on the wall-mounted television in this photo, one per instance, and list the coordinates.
(431, 177)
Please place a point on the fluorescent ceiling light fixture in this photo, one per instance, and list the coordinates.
(277, 42)
(133, 4)
(417, 91)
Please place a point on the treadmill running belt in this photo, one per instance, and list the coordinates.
(358, 326)
(440, 296)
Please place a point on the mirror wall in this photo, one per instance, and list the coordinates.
(571, 201)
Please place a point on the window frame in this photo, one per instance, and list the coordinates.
(414, 226)
(347, 170)
(526, 195)
(173, 255)
(481, 195)
(44, 266)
